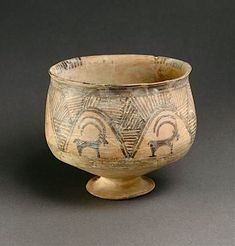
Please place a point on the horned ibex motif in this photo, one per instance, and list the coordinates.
(95, 144)
(155, 144)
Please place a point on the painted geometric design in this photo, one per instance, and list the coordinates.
(130, 138)
(127, 114)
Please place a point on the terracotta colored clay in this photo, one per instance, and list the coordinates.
(120, 117)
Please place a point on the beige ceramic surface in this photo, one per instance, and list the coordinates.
(120, 117)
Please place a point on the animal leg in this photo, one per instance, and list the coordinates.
(80, 151)
(171, 148)
(98, 153)
(153, 152)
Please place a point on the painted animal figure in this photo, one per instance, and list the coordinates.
(95, 144)
(156, 144)
(82, 144)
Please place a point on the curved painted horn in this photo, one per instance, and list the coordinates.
(100, 126)
(162, 117)
(163, 123)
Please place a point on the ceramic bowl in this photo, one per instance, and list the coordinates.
(120, 117)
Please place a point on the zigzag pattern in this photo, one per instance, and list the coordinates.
(128, 115)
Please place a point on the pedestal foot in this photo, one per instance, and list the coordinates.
(118, 189)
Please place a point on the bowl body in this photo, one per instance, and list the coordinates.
(122, 128)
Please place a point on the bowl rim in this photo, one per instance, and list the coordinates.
(167, 82)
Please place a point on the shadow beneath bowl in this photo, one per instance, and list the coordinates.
(52, 179)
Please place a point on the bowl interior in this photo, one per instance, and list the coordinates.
(120, 69)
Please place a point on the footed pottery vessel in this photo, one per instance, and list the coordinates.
(120, 117)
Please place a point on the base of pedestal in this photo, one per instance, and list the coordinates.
(118, 189)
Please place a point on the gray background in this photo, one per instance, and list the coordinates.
(43, 201)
